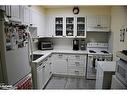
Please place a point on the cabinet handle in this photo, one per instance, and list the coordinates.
(60, 55)
(77, 63)
(46, 59)
(77, 72)
(49, 56)
(40, 64)
(77, 56)
(50, 63)
(98, 25)
(43, 67)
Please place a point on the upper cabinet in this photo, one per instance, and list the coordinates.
(70, 27)
(59, 26)
(98, 23)
(13, 12)
(81, 27)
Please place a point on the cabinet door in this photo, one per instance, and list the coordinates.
(7, 9)
(60, 67)
(70, 26)
(81, 27)
(104, 21)
(59, 26)
(26, 15)
(98, 23)
(40, 76)
(91, 21)
(15, 12)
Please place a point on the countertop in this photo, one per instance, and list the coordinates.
(107, 65)
(46, 53)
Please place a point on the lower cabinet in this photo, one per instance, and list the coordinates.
(41, 76)
(76, 65)
(69, 64)
(59, 64)
(44, 72)
(63, 64)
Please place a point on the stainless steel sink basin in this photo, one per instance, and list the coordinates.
(36, 56)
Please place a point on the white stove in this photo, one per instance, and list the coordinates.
(96, 52)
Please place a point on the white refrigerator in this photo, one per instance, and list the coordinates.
(14, 54)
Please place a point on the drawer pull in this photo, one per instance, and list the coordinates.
(46, 59)
(43, 67)
(40, 64)
(60, 54)
(76, 72)
(77, 56)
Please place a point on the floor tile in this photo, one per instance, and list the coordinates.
(70, 83)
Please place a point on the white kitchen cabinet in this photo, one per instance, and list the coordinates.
(12, 11)
(81, 27)
(15, 12)
(70, 26)
(60, 67)
(26, 17)
(69, 64)
(59, 26)
(47, 71)
(98, 23)
(41, 76)
(42, 73)
(59, 64)
(76, 65)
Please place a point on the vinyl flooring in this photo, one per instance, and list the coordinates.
(59, 82)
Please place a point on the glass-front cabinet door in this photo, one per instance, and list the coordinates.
(70, 26)
(59, 26)
(81, 31)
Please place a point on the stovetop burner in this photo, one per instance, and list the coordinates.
(91, 51)
(104, 51)
(124, 52)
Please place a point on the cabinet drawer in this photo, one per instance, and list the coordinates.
(77, 57)
(76, 63)
(77, 72)
(59, 56)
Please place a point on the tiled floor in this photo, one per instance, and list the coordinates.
(60, 82)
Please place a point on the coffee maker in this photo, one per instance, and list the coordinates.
(82, 45)
(75, 44)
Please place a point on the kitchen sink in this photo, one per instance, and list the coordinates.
(36, 56)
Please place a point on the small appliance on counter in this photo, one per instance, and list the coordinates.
(82, 45)
(75, 44)
(45, 45)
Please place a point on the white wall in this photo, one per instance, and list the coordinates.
(118, 19)
(63, 43)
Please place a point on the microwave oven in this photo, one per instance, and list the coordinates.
(121, 71)
(46, 45)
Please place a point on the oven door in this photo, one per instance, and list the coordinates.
(91, 70)
(121, 71)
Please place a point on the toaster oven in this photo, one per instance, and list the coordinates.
(46, 45)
